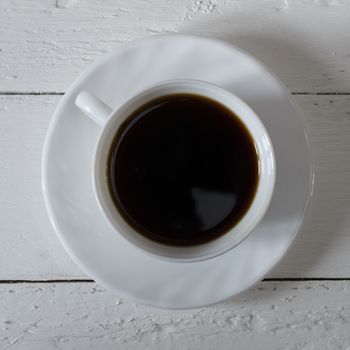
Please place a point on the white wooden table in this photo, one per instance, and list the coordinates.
(45, 300)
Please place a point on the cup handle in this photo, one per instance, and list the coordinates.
(94, 108)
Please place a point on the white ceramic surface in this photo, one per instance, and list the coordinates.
(99, 112)
(68, 190)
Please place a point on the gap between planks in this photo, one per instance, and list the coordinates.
(78, 280)
(54, 93)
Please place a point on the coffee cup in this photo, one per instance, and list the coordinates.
(112, 120)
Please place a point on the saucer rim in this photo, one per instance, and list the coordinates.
(47, 196)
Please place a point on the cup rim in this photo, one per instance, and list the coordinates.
(160, 250)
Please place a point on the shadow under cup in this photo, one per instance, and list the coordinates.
(252, 216)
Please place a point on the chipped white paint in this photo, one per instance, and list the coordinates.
(272, 316)
(45, 44)
(30, 249)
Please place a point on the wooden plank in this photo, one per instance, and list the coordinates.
(28, 246)
(272, 316)
(52, 41)
(322, 248)
(30, 249)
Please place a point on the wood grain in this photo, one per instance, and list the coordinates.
(45, 44)
(31, 250)
(285, 315)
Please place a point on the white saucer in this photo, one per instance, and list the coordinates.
(67, 174)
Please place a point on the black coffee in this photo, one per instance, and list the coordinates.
(182, 170)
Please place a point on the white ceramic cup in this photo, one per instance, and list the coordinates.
(110, 120)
